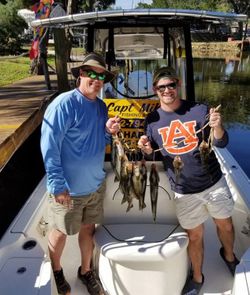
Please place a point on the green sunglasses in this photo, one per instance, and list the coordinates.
(94, 75)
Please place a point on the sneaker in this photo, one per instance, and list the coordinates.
(191, 287)
(63, 287)
(230, 264)
(92, 283)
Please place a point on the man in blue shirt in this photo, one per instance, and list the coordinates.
(181, 130)
(75, 131)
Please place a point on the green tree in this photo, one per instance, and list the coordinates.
(89, 5)
(240, 6)
(72, 6)
(63, 37)
(237, 6)
(11, 27)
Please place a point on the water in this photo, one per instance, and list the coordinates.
(19, 178)
(226, 81)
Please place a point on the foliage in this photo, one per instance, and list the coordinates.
(240, 6)
(188, 4)
(89, 5)
(11, 27)
(237, 6)
(14, 69)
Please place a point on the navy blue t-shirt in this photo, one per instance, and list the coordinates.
(176, 133)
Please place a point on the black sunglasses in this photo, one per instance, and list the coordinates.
(170, 86)
(94, 75)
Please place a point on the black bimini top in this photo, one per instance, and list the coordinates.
(138, 16)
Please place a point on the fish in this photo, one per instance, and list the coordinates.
(124, 178)
(136, 180)
(114, 157)
(204, 149)
(131, 195)
(178, 165)
(139, 182)
(154, 180)
(126, 185)
(144, 176)
(117, 153)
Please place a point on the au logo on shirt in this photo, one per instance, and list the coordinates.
(179, 138)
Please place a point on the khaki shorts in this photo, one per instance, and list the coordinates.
(84, 209)
(193, 209)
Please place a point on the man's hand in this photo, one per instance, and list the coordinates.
(113, 125)
(64, 199)
(215, 122)
(145, 145)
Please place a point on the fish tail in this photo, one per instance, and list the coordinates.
(154, 211)
(142, 204)
(130, 205)
(124, 199)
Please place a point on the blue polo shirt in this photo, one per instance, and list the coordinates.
(73, 140)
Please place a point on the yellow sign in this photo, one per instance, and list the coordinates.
(131, 108)
(132, 113)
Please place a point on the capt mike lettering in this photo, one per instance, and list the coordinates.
(179, 138)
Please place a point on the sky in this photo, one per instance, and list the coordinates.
(128, 4)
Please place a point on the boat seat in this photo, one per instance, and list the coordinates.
(142, 258)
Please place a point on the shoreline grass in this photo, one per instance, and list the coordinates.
(15, 69)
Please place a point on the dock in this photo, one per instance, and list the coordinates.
(22, 106)
(231, 47)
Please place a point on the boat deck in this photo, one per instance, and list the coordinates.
(218, 279)
(22, 105)
(27, 226)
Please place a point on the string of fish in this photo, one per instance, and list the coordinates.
(132, 175)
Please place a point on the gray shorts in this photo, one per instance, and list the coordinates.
(193, 209)
(84, 209)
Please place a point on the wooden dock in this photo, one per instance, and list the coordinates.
(215, 48)
(22, 106)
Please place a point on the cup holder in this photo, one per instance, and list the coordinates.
(29, 245)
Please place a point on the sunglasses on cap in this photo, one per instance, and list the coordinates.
(96, 76)
(170, 86)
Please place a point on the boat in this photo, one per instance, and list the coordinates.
(133, 253)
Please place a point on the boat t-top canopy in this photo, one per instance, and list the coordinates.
(135, 15)
(140, 40)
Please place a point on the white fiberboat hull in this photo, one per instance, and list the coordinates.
(25, 266)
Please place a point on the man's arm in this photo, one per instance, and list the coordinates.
(54, 126)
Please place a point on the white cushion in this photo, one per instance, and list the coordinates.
(140, 242)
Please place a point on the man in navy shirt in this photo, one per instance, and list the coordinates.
(181, 131)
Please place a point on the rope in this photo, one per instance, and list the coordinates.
(157, 241)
